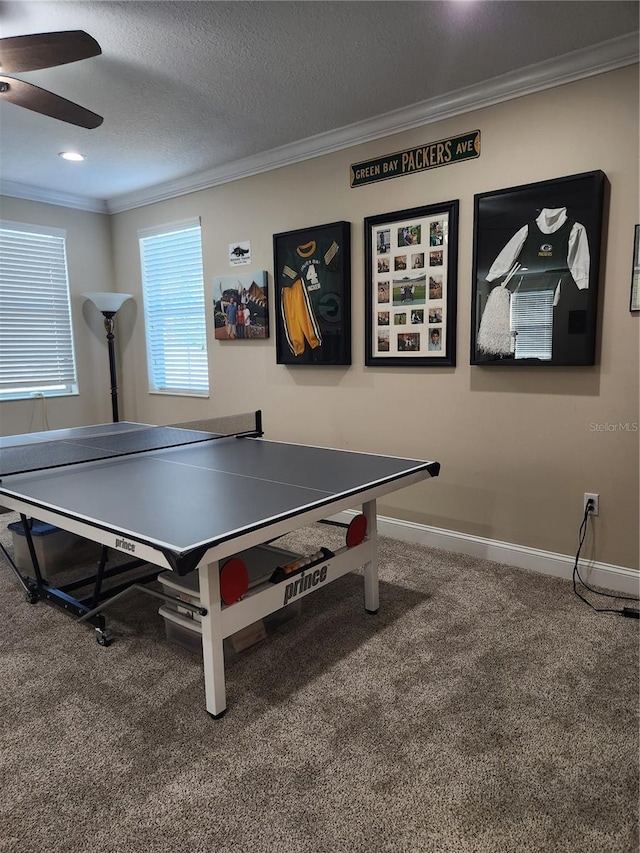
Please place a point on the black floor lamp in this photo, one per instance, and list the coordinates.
(109, 304)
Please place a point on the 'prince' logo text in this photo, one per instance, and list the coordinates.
(304, 582)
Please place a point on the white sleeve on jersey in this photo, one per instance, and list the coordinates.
(579, 259)
(508, 255)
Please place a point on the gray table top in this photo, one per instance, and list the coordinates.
(68, 433)
(42, 450)
(188, 498)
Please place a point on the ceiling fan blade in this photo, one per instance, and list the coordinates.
(40, 101)
(45, 50)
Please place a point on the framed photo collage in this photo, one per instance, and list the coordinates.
(410, 286)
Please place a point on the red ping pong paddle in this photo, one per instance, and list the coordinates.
(357, 530)
(234, 580)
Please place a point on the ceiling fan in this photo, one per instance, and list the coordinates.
(46, 50)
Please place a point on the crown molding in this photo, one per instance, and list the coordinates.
(568, 68)
(13, 189)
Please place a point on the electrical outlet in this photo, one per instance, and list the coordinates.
(595, 505)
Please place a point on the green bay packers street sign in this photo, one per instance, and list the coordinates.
(440, 153)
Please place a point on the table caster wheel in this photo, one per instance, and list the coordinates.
(103, 638)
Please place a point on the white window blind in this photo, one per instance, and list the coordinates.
(174, 307)
(36, 343)
(532, 320)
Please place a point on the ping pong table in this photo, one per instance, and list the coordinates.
(188, 498)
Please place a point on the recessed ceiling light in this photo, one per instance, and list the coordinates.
(72, 155)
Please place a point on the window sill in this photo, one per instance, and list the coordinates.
(175, 393)
(37, 395)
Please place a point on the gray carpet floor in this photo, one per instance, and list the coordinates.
(484, 708)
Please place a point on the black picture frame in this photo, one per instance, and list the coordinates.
(634, 299)
(312, 277)
(537, 304)
(411, 265)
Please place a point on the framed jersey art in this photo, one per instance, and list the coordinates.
(312, 275)
(536, 271)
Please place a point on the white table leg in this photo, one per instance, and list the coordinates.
(371, 594)
(212, 640)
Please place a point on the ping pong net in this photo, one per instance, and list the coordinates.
(30, 453)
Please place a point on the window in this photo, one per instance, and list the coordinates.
(36, 344)
(174, 309)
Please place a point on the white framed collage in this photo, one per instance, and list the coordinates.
(410, 286)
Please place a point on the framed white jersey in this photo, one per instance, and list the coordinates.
(536, 254)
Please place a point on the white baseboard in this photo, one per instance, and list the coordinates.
(617, 578)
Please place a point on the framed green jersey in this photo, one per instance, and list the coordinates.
(312, 276)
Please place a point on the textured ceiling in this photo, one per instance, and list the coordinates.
(190, 87)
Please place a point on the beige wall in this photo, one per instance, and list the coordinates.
(517, 446)
(90, 267)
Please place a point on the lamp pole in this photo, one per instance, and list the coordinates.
(109, 304)
(108, 325)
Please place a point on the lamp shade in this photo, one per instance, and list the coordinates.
(108, 302)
